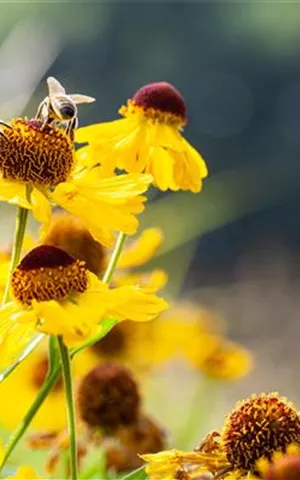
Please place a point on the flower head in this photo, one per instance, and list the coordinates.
(108, 397)
(56, 294)
(34, 156)
(39, 168)
(258, 427)
(68, 233)
(148, 139)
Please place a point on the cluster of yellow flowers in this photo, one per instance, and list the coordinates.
(78, 290)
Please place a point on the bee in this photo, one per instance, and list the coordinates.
(60, 107)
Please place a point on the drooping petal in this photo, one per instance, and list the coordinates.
(142, 250)
(135, 304)
(101, 131)
(155, 280)
(105, 206)
(14, 336)
(14, 193)
(41, 208)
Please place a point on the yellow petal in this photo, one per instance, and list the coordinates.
(41, 207)
(14, 337)
(56, 320)
(114, 201)
(135, 304)
(142, 250)
(102, 131)
(14, 193)
(161, 166)
(154, 281)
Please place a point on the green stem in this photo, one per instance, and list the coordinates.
(54, 375)
(114, 258)
(20, 227)
(67, 374)
(22, 427)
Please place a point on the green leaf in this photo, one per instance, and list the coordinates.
(138, 474)
(106, 326)
(26, 352)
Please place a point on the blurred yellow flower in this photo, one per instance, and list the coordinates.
(69, 233)
(38, 167)
(225, 360)
(148, 140)
(56, 294)
(184, 332)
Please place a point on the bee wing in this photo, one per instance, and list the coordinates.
(78, 98)
(55, 87)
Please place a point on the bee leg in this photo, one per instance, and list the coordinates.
(71, 127)
(38, 114)
(6, 124)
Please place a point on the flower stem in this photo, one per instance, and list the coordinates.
(22, 427)
(114, 258)
(54, 374)
(67, 374)
(20, 227)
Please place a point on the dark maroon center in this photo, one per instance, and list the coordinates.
(161, 96)
(45, 256)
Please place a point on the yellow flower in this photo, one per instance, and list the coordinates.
(163, 465)
(69, 233)
(175, 464)
(256, 429)
(148, 140)
(38, 168)
(56, 294)
(225, 360)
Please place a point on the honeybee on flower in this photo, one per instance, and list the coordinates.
(39, 168)
(58, 106)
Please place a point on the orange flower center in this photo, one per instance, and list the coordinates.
(31, 155)
(48, 273)
(159, 102)
(257, 428)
